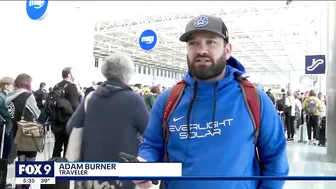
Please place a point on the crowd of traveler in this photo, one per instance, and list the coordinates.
(302, 111)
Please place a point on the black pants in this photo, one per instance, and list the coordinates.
(322, 136)
(290, 126)
(8, 144)
(283, 120)
(312, 125)
(61, 138)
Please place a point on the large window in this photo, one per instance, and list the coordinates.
(135, 68)
(139, 69)
(148, 70)
(144, 69)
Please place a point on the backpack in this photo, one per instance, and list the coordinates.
(252, 102)
(281, 105)
(311, 107)
(58, 109)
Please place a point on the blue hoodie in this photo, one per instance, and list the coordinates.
(227, 149)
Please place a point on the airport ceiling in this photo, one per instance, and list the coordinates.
(266, 36)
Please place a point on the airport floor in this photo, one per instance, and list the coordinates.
(305, 160)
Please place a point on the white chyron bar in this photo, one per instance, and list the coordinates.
(80, 169)
(48, 172)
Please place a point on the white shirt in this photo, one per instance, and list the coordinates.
(323, 111)
(299, 105)
(290, 101)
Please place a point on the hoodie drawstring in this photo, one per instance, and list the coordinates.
(190, 107)
(214, 107)
(193, 99)
(192, 103)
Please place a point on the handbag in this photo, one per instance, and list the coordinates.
(76, 137)
(30, 134)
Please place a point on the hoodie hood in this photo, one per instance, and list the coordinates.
(30, 103)
(12, 95)
(233, 69)
(111, 87)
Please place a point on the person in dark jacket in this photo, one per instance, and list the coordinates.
(93, 87)
(72, 95)
(6, 86)
(41, 96)
(271, 96)
(110, 118)
(88, 90)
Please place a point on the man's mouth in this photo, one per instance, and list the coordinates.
(203, 60)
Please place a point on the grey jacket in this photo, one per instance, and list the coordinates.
(31, 102)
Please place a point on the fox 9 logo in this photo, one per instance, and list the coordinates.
(34, 169)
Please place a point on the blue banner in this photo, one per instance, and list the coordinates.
(315, 64)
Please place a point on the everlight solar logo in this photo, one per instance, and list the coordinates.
(36, 10)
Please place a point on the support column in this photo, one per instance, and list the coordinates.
(323, 41)
(331, 84)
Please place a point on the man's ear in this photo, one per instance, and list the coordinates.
(228, 50)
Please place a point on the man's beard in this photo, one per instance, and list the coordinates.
(205, 72)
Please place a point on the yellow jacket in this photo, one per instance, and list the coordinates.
(319, 104)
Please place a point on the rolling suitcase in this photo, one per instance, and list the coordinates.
(49, 136)
(3, 162)
(303, 133)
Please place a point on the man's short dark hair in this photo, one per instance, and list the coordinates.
(65, 72)
(42, 85)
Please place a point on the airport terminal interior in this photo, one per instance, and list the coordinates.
(283, 45)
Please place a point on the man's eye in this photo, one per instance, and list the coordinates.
(192, 43)
(211, 42)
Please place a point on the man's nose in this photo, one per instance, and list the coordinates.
(202, 48)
